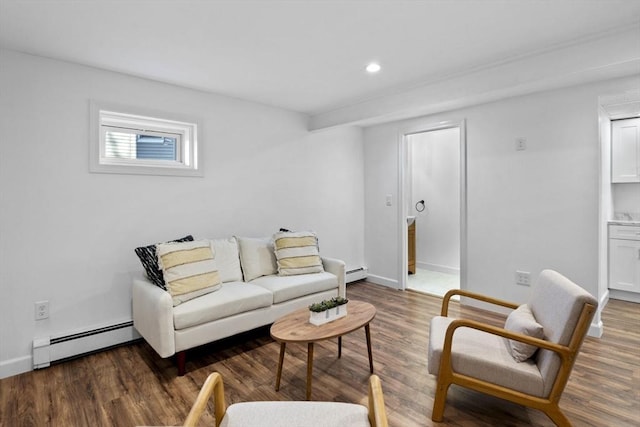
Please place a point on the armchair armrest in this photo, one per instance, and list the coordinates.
(469, 294)
(153, 316)
(337, 267)
(377, 411)
(212, 385)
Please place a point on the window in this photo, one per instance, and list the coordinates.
(139, 143)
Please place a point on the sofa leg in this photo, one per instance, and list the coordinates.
(181, 358)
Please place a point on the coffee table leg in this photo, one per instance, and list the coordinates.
(309, 368)
(368, 332)
(280, 361)
(339, 347)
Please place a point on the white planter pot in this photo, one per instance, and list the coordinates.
(320, 318)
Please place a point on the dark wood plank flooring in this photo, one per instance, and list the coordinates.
(131, 385)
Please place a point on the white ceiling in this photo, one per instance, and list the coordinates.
(305, 55)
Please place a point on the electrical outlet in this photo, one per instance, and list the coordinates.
(521, 144)
(42, 310)
(523, 278)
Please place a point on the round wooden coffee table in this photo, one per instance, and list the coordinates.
(295, 328)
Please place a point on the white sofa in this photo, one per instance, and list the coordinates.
(252, 295)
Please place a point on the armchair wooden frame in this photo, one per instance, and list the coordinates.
(214, 386)
(549, 405)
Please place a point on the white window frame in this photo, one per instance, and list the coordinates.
(105, 117)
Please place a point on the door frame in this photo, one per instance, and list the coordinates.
(403, 159)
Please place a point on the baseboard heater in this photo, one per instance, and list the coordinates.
(356, 274)
(47, 350)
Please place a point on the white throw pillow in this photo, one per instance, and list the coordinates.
(188, 269)
(521, 320)
(257, 257)
(297, 253)
(227, 259)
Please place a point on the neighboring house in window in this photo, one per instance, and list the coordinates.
(124, 142)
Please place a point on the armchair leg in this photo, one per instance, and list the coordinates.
(557, 416)
(439, 401)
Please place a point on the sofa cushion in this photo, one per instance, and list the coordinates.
(482, 355)
(227, 259)
(521, 320)
(257, 257)
(188, 269)
(285, 288)
(149, 260)
(297, 253)
(232, 298)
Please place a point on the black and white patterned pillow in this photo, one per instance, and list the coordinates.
(149, 260)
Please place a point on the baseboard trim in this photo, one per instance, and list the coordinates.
(384, 281)
(596, 330)
(438, 268)
(624, 296)
(19, 365)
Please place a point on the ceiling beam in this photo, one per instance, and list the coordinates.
(612, 55)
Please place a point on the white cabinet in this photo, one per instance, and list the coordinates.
(625, 150)
(624, 258)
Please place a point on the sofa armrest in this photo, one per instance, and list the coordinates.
(337, 267)
(153, 316)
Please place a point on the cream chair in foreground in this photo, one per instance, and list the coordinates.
(283, 414)
(528, 361)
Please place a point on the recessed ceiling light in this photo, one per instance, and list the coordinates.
(373, 67)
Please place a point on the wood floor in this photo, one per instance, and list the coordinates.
(131, 385)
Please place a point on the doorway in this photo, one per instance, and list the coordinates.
(434, 208)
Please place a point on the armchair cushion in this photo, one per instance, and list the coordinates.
(298, 414)
(556, 303)
(294, 414)
(521, 320)
(482, 355)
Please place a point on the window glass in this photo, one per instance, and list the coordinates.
(142, 144)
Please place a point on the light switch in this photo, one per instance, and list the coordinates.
(389, 199)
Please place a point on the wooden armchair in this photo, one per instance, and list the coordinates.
(483, 357)
(285, 413)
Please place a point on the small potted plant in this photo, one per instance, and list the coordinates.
(327, 310)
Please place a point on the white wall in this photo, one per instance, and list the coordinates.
(435, 172)
(67, 235)
(527, 210)
(626, 199)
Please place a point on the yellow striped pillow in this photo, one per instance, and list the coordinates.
(297, 253)
(188, 269)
